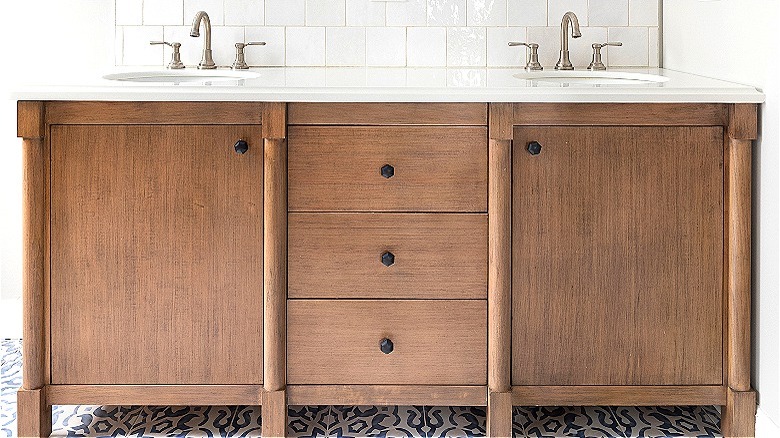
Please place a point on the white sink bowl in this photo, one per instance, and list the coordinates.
(585, 77)
(192, 76)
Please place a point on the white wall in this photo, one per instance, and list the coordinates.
(736, 40)
(47, 35)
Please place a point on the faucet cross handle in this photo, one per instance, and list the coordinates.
(533, 58)
(240, 62)
(175, 63)
(596, 63)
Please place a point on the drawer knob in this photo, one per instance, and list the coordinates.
(534, 148)
(386, 345)
(388, 171)
(388, 258)
(241, 146)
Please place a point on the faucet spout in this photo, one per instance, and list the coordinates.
(206, 62)
(569, 19)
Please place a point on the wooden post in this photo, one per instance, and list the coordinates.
(274, 400)
(33, 414)
(738, 419)
(499, 271)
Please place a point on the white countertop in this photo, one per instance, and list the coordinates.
(365, 84)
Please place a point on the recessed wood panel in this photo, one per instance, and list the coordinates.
(435, 256)
(156, 252)
(434, 168)
(334, 342)
(618, 256)
(391, 113)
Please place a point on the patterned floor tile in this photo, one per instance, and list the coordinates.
(378, 421)
(89, 421)
(197, 421)
(567, 422)
(309, 421)
(455, 421)
(685, 421)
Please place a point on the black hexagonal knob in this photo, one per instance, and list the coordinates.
(241, 146)
(388, 258)
(534, 148)
(386, 345)
(388, 171)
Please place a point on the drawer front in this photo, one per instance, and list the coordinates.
(356, 255)
(433, 342)
(387, 168)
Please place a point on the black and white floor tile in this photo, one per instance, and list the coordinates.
(351, 421)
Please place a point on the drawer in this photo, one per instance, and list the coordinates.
(387, 168)
(433, 342)
(387, 255)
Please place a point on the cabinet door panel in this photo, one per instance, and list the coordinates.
(156, 252)
(617, 256)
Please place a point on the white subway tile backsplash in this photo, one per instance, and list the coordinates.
(426, 46)
(272, 53)
(325, 12)
(487, 13)
(527, 13)
(129, 12)
(365, 13)
(305, 46)
(643, 12)
(244, 12)
(499, 54)
(446, 12)
(285, 12)
(466, 46)
(608, 13)
(406, 13)
(345, 46)
(417, 33)
(385, 46)
(634, 52)
(212, 7)
(163, 12)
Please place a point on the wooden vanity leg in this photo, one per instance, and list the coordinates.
(738, 417)
(33, 414)
(274, 414)
(499, 415)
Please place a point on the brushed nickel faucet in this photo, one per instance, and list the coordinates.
(569, 18)
(206, 62)
(533, 59)
(597, 64)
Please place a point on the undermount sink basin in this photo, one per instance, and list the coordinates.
(181, 76)
(586, 77)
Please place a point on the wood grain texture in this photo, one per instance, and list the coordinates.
(500, 121)
(154, 113)
(739, 251)
(435, 342)
(436, 168)
(743, 121)
(437, 256)
(30, 119)
(499, 265)
(274, 120)
(156, 255)
(275, 257)
(617, 256)
(738, 416)
(34, 347)
(384, 395)
(33, 416)
(614, 114)
(499, 415)
(617, 395)
(387, 114)
(274, 414)
(154, 395)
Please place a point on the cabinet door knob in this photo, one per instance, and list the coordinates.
(388, 258)
(241, 146)
(534, 148)
(386, 345)
(388, 171)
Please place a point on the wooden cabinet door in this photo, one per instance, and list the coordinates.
(617, 261)
(156, 255)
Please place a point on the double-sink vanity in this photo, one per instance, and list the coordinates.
(294, 236)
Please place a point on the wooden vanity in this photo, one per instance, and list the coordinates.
(386, 253)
